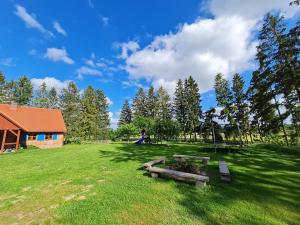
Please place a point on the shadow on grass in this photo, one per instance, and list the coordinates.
(264, 176)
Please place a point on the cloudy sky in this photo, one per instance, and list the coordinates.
(120, 45)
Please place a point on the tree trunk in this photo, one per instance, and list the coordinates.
(240, 136)
(281, 121)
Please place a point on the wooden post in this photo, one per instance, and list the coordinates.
(18, 140)
(3, 140)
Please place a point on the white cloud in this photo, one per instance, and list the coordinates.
(203, 48)
(126, 48)
(58, 28)
(114, 118)
(58, 54)
(105, 20)
(109, 101)
(30, 20)
(50, 82)
(84, 70)
(7, 62)
(251, 9)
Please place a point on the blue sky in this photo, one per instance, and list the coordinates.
(119, 46)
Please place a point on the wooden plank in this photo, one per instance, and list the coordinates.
(3, 140)
(14, 133)
(18, 139)
(153, 162)
(224, 171)
(178, 174)
(223, 168)
(191, 157)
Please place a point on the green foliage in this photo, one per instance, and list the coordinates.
(163, 107)
(150, 103)
(166, 129)
(126, 114)
(102, 113)
(144, 123)
(21, 90)
(41, 98)
(71, 108)
(127, 131)
(139, 105)
(52, 99)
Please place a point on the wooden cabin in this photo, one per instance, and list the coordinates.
(24, 125)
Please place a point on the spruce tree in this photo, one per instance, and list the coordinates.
(163, 107)
(103, 120)
(126, 114)
(270, 44)
(41, 99)
(88, 115)
(70, 105)
(192, 98)
(3, 90)
(139, 106)
(150, 103)
(21, 91)
(180, 106)
(52, 99)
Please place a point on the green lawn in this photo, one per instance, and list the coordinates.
(103, 184)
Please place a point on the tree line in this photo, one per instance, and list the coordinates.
(272, 97)
(85, 114)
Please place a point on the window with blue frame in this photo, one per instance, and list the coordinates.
(41, 136)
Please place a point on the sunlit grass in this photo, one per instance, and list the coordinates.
(103, 184)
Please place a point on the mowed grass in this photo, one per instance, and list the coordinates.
(104, 184)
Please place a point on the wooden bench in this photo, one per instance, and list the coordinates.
(153, 162)
(224, 171)
(204, 159)
(200, 181)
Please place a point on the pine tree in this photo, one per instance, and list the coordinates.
(139, 105)
(70, 105)
(180, 106)
(103, 115)
(126, 114)
(192, 98)
(88, 115)
(270, 43)
(224, 98)
(41, 99)
(52, 99)
(3, 89)
(240, 105)
(21, 91)
(163, 107)
(150, 103)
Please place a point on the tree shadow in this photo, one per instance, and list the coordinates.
(261, 176)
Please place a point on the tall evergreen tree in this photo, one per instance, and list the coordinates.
(21, 91)
(181, 106)
(192, 98)
(224, 98)
(41, 99)
(88, 115)
(126, 114)
(139, 105)
(163, 107)
(241, 112)
(3, 89)
(270, 43)
(150, 103)
(52, 99)
(103, 115)
(70, 105)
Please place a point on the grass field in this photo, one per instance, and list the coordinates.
(103, 184)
